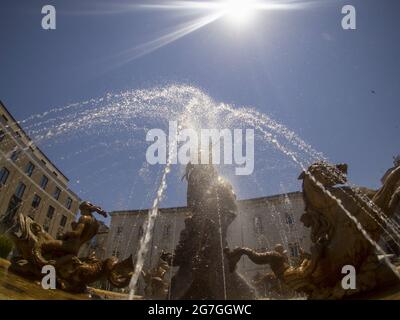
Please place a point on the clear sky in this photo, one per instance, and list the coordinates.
(339, 90)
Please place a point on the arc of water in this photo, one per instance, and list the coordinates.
(258, 120)
(391, 222)
(338, 201)
(376, 210)
(153, 213)
(172, 258)
(392, 234)
(221, 245)
(357, 224)
(135, 223)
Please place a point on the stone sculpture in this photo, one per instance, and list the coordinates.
(337, 241)
(156, 284)
(203, 269)
(36, 248)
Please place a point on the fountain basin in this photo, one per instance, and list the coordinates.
(14, 287)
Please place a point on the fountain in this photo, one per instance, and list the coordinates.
(35, 248)
(344, 231)
(346, 223)
(202, 272)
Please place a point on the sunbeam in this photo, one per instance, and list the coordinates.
(177, 33)
(236, 11)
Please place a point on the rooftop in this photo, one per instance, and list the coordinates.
(22, 131)
(36, 151)
(296, 194)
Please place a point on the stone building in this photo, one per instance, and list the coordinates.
(261, 224)
(97, 245)
(30, 183)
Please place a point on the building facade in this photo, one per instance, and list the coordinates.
(30, 183)
(260, 224)
(97, 244)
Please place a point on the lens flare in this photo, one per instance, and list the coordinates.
(239, 11)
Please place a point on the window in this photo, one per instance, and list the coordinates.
(115, 253)
(63, 221)
(119, 229)
(19, 192)
(47, 220)
(43, 182)
(294, 249)
(4, 173)
(166, 231)
(14, 155)
(69, 203)
(36, 201)
(289, 218)
(57, 193)
(29, 169)
(50, 212)
(12, 209)
(2, 135)
(258, 227)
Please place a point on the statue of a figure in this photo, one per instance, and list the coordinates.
(156, 285)
(37, 248)
(203, 269)
(337, 240)
(277, 259)
(81, 231)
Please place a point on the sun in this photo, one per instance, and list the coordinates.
(238, 11)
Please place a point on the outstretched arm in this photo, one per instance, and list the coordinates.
(77, 231)
(272, 258)
(261, 258)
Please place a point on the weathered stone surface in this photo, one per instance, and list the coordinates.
(14, 287)
(36, 248)
(203, 269)
(339, 240)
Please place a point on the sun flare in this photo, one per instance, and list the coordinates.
(239, 11)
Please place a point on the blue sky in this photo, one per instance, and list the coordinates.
(297, 66)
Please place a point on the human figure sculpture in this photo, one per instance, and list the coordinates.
(277, 259)
(70, 242)
(37, 248)
(156, 285)
(203, 269)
